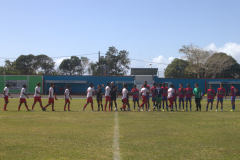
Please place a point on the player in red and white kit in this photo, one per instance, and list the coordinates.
(143, 93)
(220, 93)
(5, 96)
(233, 96)
(90, 90)
(210, 97)
(135, 93)
(107, 96)
(23, 96)
(188, 94)
(124, 97)
(181, 94)
(153, 94)
(50, 97)
(67, 96)
(37, 96)
(164, 96)
(147, 96)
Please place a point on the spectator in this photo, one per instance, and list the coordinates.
(228, 91)
(55, 90)
(61, 90)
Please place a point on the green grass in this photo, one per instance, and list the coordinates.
(143, 135)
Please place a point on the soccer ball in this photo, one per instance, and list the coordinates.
(154, 108)
(115, 109)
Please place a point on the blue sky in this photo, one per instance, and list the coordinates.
(150, 30)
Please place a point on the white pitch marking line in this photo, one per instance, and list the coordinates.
(116, 148)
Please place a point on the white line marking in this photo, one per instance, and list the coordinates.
(116, 148)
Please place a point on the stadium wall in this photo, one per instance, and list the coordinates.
(17, 81)
(80, 88)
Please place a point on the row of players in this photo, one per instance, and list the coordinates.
(163, 94)
(160, 94)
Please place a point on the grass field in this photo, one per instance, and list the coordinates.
(140, 135)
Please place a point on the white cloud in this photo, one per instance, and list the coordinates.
(161, 63)
(161, 59)
(211, 46)
(232, 49)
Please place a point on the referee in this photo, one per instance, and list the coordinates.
(114, 94)
(198, 96)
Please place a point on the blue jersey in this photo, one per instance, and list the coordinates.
(158, 92)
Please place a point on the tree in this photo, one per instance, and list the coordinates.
(1, 70)
(197, 58)
(25, 64)
(44, 64)
(118, 62)
(176, 69)
(30, 64)
(221, 65)
(10, 67)
(74, 65)
(84, 65)
(209, 64)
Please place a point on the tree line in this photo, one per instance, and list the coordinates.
(117, 61)
(195, 63)
(200, 63)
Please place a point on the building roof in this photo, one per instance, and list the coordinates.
(144, 71)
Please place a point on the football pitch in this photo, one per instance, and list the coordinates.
(117, 135)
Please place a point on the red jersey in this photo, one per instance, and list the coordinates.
(233, 91)
(188, 92)
(148, 87)
(153, 91)
(221, 92)
(165, 91)
(135, 93)
(181, 92)
(175, 94)
(210, 93)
